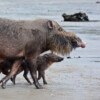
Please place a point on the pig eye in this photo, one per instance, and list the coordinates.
(60, 29)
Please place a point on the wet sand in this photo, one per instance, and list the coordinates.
(71, 79)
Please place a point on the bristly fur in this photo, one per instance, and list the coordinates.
(60, 44)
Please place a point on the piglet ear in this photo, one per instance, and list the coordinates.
(50, 24)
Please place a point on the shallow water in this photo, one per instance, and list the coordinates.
(72, 79)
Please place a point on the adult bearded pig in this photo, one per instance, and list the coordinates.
(26, 39)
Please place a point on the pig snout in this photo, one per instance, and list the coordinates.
(83, 44)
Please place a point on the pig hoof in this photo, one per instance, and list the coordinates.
(3, 86)
(13, 81)
(39, 87)
(45, 83)
(30, 83)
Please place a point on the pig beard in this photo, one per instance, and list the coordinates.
(60, 44)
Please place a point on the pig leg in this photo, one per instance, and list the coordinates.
(25, 75)
(14, 69)
(18, 72)
(39, 75)
(43, 76)
(31, 59)
(5, 72)
(13, 79)
(33, 68)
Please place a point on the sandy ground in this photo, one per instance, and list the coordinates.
(71, 79)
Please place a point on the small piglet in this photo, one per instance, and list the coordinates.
(44, 62)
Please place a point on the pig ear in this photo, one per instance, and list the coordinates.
(50, 24)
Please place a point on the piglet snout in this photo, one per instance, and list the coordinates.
(60, 59)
